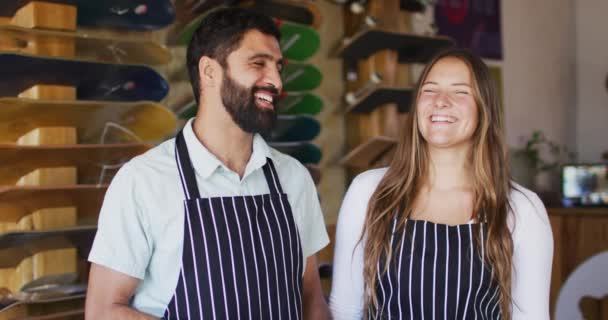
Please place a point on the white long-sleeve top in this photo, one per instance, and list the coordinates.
(532, 252)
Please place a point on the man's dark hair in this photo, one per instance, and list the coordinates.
(220, 33)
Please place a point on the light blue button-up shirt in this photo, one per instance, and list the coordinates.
(140, 229)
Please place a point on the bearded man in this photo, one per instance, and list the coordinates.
(214, 224)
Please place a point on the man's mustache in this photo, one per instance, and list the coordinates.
(274, 91)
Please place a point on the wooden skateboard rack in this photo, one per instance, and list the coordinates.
(47, 220)
(377, 45)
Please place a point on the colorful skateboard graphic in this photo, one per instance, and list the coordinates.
(96, 121)
(137, 15)
(292, 128)
(300, 77)
(300, 103)
(305, 152)
(94, 163)
(87, 47)
(93, 80)
(19, 202)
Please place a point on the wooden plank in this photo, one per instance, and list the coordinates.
(38, 14)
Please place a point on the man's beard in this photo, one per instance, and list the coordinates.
(239, 101)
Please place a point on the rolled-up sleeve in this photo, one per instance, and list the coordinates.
(122, 242)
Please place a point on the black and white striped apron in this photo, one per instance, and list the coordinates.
(241, 257)
(436, 272)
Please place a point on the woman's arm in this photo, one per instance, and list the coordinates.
(532, 258)
(346, 299)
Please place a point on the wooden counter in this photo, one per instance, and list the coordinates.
(579, 233)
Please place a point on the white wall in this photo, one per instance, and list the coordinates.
(538, 69)
(591, 71)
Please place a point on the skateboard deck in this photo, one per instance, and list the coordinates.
(94, 163)
(16, 246)
(298, 42)
(60, 306)
(300, 77)
(143, 121)
(292, 128)
(136, 15)
(382, 95)
(368, 154)
(87, 47)
(93, 80)
(302, 12)
(23, 264)
(411, 48)
(18, 202)
(300, 103)
(305, 152)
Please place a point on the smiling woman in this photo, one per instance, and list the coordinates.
(438, 233)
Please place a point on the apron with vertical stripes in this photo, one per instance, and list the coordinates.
(241, 257)
(437, 272)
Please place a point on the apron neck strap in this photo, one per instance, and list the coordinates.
(272, 178)
(184, 165)
(188, 178)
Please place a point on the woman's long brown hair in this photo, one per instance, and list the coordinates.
(409, 170)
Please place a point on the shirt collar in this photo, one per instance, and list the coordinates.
(205, 163)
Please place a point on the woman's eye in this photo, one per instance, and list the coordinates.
(462, 92)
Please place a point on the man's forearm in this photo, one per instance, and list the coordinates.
(118, 311)
(315, 308)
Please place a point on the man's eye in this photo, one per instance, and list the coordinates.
(259, 63)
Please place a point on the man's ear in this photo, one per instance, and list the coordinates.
(208, 71)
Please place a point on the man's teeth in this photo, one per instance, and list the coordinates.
(442, 119)
(264, 97)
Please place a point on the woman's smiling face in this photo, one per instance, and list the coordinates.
(447, 112)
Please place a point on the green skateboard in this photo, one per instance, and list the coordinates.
(298, 42)
(292, 128)
(297, 103)
(300, 77)
(300, 103)
(305, 152)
